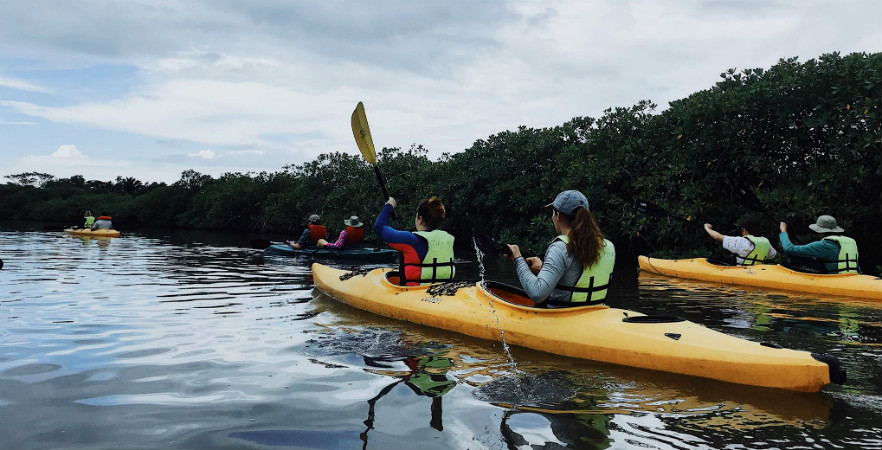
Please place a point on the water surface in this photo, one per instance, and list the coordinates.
(196, 341)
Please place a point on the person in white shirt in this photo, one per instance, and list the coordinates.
(747, 248)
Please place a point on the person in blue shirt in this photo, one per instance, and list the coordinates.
(833, 253)
(427, 253)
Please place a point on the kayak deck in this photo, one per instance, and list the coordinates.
(366, 254)
(491, 310)
(88, 232)
(767, 276)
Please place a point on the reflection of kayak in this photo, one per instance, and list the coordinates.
(89, 233)
(768, 276)
(488, 311)
(366, 254)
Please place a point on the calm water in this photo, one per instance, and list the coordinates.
(190, 341)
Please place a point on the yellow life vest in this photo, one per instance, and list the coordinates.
(595, 278)
(438, 262)
(760, 250)
(848, 254)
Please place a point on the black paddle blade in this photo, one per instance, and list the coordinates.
(487, 243)
(650, 209)
(260, 244)
(747, 199)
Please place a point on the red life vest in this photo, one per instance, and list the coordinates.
(354, 235)
(103, 217)
(317, 232)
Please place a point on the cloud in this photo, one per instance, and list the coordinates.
(6, 122)
(22, 85)
(68, 151)
(205, 154)
(267, 83)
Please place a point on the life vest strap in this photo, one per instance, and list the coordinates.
(848, 266)
(434, 265)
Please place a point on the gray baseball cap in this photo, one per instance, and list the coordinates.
(314, 218)
(568, 201)
(826, 224)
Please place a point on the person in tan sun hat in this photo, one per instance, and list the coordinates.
(353, 234)
(833, 253)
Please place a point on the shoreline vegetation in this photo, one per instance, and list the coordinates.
(805, 137)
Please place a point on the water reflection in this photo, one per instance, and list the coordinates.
(426, 376)
(188, 341)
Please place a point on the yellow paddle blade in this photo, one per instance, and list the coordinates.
(362, 134)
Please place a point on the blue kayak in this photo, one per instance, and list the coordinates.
(362, 254)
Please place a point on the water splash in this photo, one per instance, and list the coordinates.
(479, 256)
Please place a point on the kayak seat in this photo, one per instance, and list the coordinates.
(510, 294)
(720, 262)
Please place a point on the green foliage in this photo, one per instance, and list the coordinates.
(804, 137)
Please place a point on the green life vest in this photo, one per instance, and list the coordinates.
(848, 254)
(760, 250)
(595, 278)
(90, 220)
(438, 263)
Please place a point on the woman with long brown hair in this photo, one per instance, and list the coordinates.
(579, 262)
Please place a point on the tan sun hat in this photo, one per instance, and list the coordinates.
(826, 224)
(353, 222)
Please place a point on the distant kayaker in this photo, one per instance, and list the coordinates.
(102, 223)
(747, 248)
(427, 254)
(311, 234)
(578, 263)
(834, 253)
(90, 219)
(353, 234)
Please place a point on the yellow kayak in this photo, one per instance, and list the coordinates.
(490, 310)
(87, 232)
(767, 276)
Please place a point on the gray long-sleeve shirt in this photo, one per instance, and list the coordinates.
(558, 267)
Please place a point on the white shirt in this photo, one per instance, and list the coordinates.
(741, 247)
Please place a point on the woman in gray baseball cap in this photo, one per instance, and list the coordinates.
(579, 262)
(834, 253)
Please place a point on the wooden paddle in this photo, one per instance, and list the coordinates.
(362, 133)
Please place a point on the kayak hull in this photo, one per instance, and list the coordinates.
(88, 232)
(600, 333)
(767, 276)
(362, 254)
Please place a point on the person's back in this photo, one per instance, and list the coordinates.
(103, 222)
(833, 253)
(748, 249)
(90, 220)
(350, 236)
(311, 234)
(426, 254)
(578, 264)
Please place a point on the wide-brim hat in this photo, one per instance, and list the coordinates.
(569, 201)
(826, 224)
(353, 222)
(314, 218)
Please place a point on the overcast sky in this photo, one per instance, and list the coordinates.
(151, 88)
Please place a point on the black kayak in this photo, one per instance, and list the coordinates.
(362, 254)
